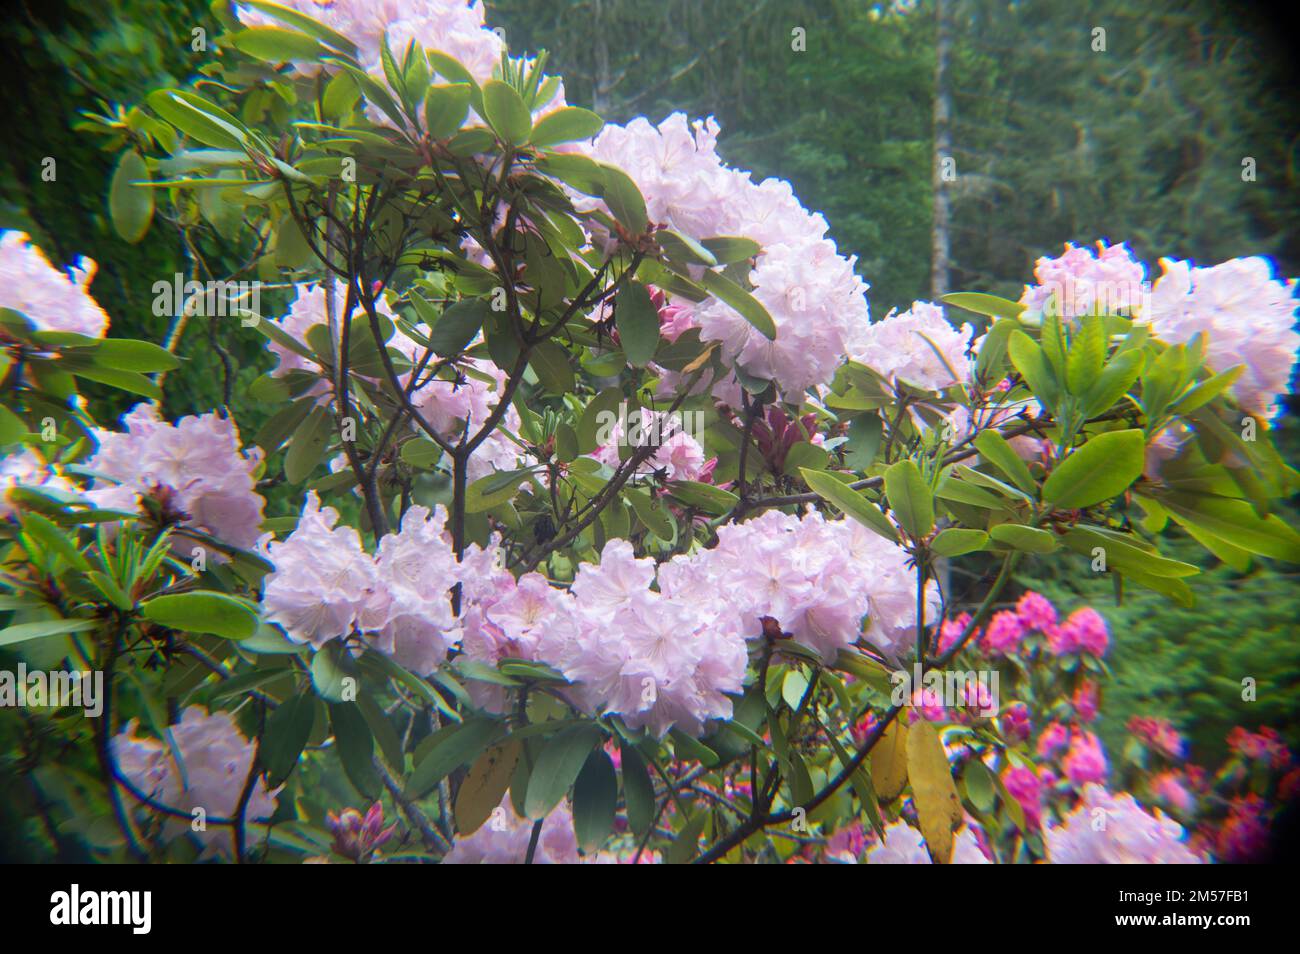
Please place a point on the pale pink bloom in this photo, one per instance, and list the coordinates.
(904, 845)
(1111, 829)
(323, 577)
(26, 468)
(205, 768)
(503, 840)
(52, 299)
(1081, 282)
(1246, 315)
(919, 347)
(1036, 611)
(195, 466)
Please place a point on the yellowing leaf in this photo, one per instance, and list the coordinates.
(889, 761)
(486, 783)
(938, 806)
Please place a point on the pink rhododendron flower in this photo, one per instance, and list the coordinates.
(503, 840)
(1169, 789)
(1003, 634)
(1015, 723)
(195, 467)
(1054, 738)
(1158, 734)
(1243, 837)
(1081, 282)
(1026, 787)
(919, 347)
(1263, 746)
(52, 299)
(1086, 700)
(1246, 315)
(904, 845)
(214, 762)
(1111, 829)
(1036, 611)
(1085, 762)
(1085, 631)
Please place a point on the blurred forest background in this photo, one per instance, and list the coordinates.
(1053, 140)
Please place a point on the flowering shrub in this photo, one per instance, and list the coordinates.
(504, 617)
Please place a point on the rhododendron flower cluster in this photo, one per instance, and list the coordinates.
(50, 298)
(818, 579)
(453, 27)
(205, 766)
(503, 840)
(815, 298)
(919, 347)
(904, 845)
(1083, 282)
(1114, 829)
(194, 468)
(326, 586)
(1246, 315)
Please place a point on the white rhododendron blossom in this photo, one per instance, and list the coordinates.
(52, 299)
(918, 347)
(1106, 829)
(503, 840)
(904, 845)
(1081, 282)
(1246, 315)
(818, 579)
(205, 767)
(453, 27)
(326, 586)
(815, 298)
(26, 468)
(195, 468)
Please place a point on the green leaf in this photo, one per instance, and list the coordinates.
(638, 792)
(493, 490)
(910, 498)
(128, 381)
(749, 307)
(45, 627)
(595, 799)
(702, 496)
(449, 749)
(550, 361)
(277, 45)
(356, 747)
(1113, 382)
(53, 539)
(637, 320)
(306, 24)
(683, 249)
(129, 206)
(981, 789)
(994, 448)
(1235, 522)
(984, 304)
(1102, 468)
(198, 119)
(652, 513)
(1033, 366)
(1087, 352)
(308, 447)
(624, 199)
(558, 766)
(958, 540)
(727, 249)
(506, 113)
(202, 611)
(1028, 539)
(600, 414)
(445, 109)
(287, 730)
(129, 355)
(850, 501)
(457, 327)
(567, 124)
(865, 432)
